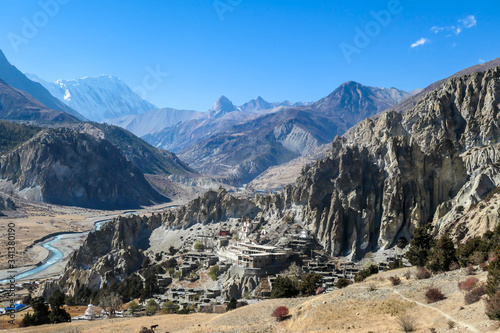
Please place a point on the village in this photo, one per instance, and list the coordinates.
(237, 259)
(248, 257)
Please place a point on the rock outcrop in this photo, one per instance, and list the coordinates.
(387, 176)
(116, 250)
(392, 173)
(110, 254)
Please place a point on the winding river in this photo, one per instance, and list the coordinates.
(55, 255)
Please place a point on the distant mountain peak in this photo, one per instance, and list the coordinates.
(223, 106)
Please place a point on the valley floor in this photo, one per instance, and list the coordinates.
(34, 221)
(372, 306)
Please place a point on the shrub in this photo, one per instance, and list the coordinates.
(199, 247)
(407, 275)
(309, 283)
(146, 330)
(232, 304)
(214, 272)
(483, 266)
(280, 313)
(133, 307)
(451, 324)
(343, 282)
(493, 279)
(395, 264)
(407, 323)
(284, 287)
(366, 272)
(475, 294)
(493, 306)
(170, 307)
(151, 307)
(422, 273)
(468, 284)
(434, 295)
(396, 281)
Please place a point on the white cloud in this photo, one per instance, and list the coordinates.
(465, 23)
(482, 61)
(468, 22)
(436, 29)
(420, 42)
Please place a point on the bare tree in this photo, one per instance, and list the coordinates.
(111, 303)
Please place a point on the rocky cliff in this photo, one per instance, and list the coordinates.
(117, 249)
(395, 172)
(65, 167)
(110, 254)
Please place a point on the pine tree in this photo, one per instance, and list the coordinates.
(232, 304)
(493, 280)
(420, 246)
(442, 255)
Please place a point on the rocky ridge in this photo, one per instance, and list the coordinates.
(395, 172)
(117, 249)
(62, 166)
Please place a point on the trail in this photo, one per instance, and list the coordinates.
(444, 314)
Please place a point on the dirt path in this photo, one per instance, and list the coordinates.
(444, 314)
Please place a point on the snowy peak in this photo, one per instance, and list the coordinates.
(222, 107)
(97, 98)
(256, 105)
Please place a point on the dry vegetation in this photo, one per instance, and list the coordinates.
(357, 308)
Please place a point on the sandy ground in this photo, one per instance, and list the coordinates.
(372, 306)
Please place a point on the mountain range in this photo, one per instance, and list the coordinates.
(70, 162)
(239, 145)
(97, 98)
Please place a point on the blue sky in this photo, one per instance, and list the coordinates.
(278, 49)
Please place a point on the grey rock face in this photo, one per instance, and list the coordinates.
(116, 250)
(69, 168)
(392, 173)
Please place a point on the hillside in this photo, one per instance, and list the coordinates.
(64, 167)
(410, 102)
(20, 106)
(15, 78)
(149, 159)
(371, 306)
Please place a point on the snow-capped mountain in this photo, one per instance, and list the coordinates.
(259, 104)
(97, 98)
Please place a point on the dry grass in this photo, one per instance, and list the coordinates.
(353, 309)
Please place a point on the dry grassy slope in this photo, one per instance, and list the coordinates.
(354, 309)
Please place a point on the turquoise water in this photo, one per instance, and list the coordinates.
(55, 254)
(55, 257)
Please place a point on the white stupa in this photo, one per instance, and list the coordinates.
(90, 313)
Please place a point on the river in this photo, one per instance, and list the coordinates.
(55, 255)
